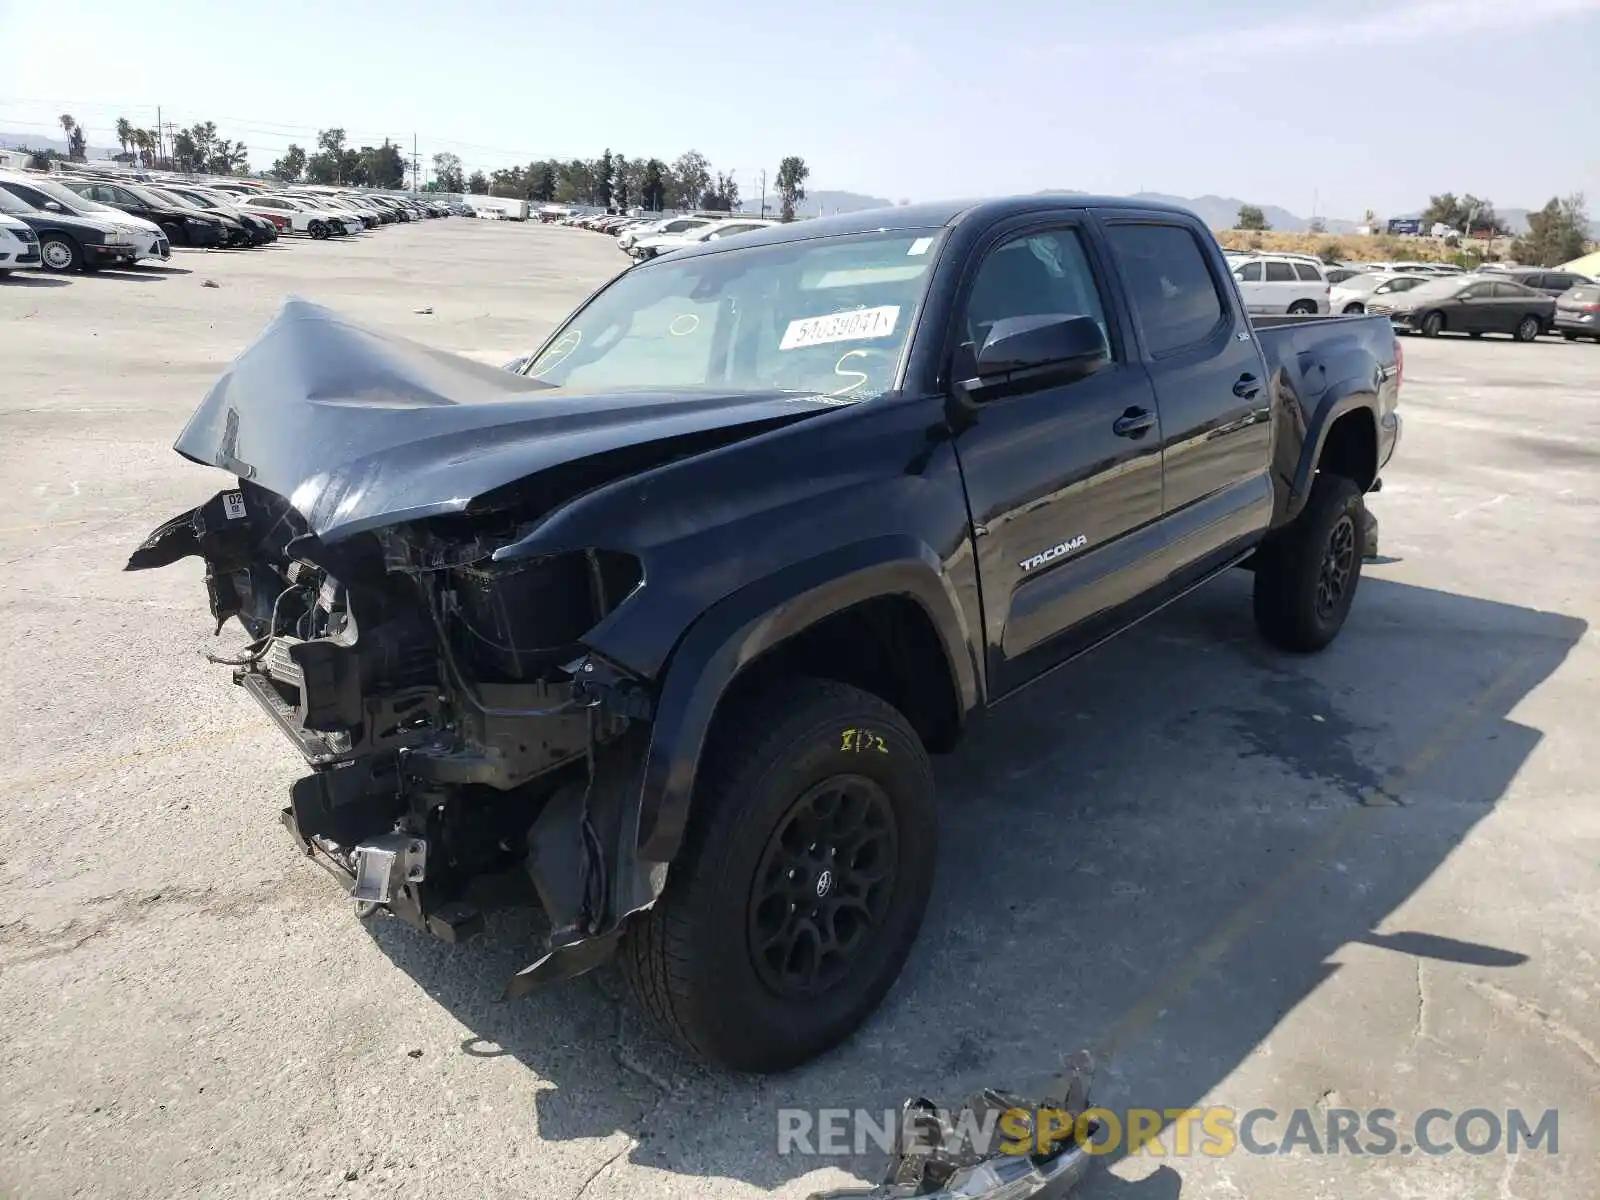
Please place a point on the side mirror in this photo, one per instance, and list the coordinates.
(1039, 351)
(53, 206)
(515, 365)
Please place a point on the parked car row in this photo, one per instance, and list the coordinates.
(643, 237)
(83, 221)
(1469, 303)
(1521, 302)
(1421, 297)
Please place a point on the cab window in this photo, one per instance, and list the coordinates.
(1037, 274)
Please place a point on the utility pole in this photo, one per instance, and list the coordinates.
(416, 167)
(158, 135)
(763, 192)
(169, 129)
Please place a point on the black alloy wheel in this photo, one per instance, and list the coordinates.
(1333, 577)
(823, 886)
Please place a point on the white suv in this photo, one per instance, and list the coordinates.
(1279, 283)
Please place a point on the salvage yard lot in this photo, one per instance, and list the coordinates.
(1367, 879)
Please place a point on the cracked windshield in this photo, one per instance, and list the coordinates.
(823, 317)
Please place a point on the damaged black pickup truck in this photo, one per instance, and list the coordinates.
(666, 619)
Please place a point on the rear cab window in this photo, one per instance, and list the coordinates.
(1279, 272)
(1174, 296)
(1308, 273)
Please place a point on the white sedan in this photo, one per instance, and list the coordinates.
(665, 243)
(303, 217)
(668, 225)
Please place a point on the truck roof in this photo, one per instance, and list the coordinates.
(932, 214)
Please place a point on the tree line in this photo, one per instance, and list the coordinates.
(336, 162)
(197, 149)
(614, 180)
(1557, 233)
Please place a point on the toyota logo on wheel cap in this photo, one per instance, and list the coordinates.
(824, 883)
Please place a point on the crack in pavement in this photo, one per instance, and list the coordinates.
(1526, 1010)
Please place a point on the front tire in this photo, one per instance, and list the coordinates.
(1432, 324)
(1527, 329)
(318, 230)
(1303, 308)
(801, 883)
(59, 253)
(1354, 309)
(1306, 576)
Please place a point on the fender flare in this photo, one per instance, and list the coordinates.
(737, 630)
(1328, 412)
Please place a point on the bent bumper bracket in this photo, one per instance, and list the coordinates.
(934, 1158)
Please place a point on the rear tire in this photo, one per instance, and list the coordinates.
(1354, 309)
(317, 230)
(1475, 334)
(814, 822)
(1528, 329)
(1432, 324)
(1303, 308)
(1307, 575)
(1571, 337)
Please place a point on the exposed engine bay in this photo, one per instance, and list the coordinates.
(456, 728)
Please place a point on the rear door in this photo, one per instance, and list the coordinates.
(1282, 288)
(1063, 482)
(1315, 287)
(1209, 379)
(1514, 301)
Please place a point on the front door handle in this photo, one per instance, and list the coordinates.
(1134, 423)
(1246, 387)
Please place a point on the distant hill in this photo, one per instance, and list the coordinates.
(819, 203)
(1220, 212)
(16, 141)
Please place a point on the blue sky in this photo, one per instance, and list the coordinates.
(1363, 104)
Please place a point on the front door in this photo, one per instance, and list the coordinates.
(1252, 286)
(1064, 483)
(1476, 312)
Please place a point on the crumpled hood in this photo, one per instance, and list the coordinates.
(358, 429)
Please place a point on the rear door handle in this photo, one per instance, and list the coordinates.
(1246, 387)
(1134, 423)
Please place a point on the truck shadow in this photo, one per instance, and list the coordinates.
(1157, 851)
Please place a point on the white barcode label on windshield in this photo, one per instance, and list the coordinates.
(855, 325)
(233, 505)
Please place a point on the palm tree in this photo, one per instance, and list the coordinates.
(124, 133)
(144, 141)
